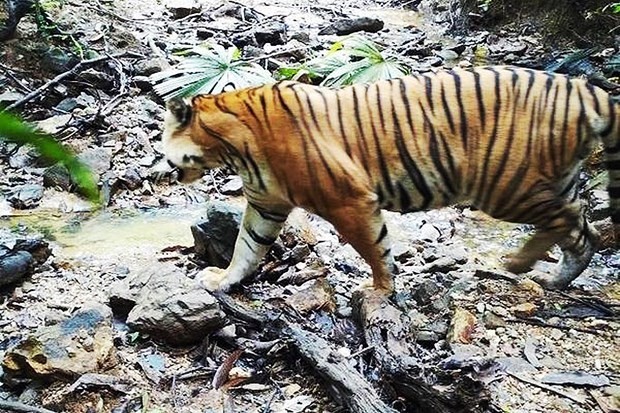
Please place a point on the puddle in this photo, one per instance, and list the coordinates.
(104, 234)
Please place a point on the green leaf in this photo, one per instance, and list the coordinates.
(213, 69)
(14, 130)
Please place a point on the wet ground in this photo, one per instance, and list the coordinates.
(147, 222)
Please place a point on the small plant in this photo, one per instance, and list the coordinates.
(14, 130)
(213, 70)
(354, 59)
(613, 7)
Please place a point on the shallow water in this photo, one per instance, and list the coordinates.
(104, 234)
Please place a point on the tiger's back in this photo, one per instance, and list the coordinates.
(510, 140)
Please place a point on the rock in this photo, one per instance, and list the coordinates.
(273, 33)
(8, 97)
(214, 238)
(25, 156)
(151, 66)
(14, 265)
(461, 326)
(98, 79)
(314, 295)
(67, 105)
(448, 55)
(492, 320)
(173, 307)
(234, 186)
(348, 26)
(97, 159)
(25, 196)
(58, 351)
(37, 247)
(57, 176)
(531, 286)
(131, 178)
(576, 378)
(143, 83)
(52, 125)
(524, 310)
(182, 8)
(56, 60)
(424, 293)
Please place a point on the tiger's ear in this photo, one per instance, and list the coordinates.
(181, 111)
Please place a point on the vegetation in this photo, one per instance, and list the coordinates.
(213, 69)
(14, 130)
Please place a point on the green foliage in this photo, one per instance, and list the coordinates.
(213, 70)
(612, 7)
(14, 130)
(354, 59)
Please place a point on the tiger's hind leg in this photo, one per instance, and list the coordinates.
(577, 253)
(554, 218)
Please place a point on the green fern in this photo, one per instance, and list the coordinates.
(213, 69)
(354, 59)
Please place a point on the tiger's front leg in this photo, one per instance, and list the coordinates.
(256, 236)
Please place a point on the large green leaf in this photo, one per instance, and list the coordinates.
(14, 130)
(212, 69)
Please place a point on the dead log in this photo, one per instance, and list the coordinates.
(348, 386)
(410, 370)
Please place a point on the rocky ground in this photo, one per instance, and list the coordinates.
(111, 319)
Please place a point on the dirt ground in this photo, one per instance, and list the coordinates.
(117, 121)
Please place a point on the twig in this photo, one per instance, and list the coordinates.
(21, 407)
(74, 70)
(267, 407)
(543, 386)
(362, 351)
(279, 52)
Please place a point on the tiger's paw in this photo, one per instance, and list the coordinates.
(214, 279)
(517, 264)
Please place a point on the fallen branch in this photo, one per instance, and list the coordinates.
(350, 387)
(21, 407)
(74, 70)
(543, 386)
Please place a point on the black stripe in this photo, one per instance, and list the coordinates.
(405, 199)
(446, 107)
(428, 87)
(386, 253)
(480, 99)
(459, 99)
(612, 164)
(250, 158)
(612, 118)
(343, 134)
(493, 138)
(499, 172)
(412, 169)
(592, 90)
(436, 156)
(552, 125)
(614, 191)
(311, 137)
(260, 239)
(382, 234)
(268, 215)
(231, 150)
(247, 243)
(564, 139)
(363, 148)
(385, 173)
(530, 84)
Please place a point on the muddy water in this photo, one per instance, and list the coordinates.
(106, 234)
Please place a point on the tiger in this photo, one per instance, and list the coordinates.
(509, 141)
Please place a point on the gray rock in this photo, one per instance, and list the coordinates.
(169, 306)
(67, 105)
(57, 176)
(8, 97)
(98, 79)
(98, 159)
(348, 26)
(143, 83)
(182, 8)
(273, 33)
(59, 351)
(214, 238)
(25, 196)
(132, 178)
(14, 265)
(151, 66)
(423, 294)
